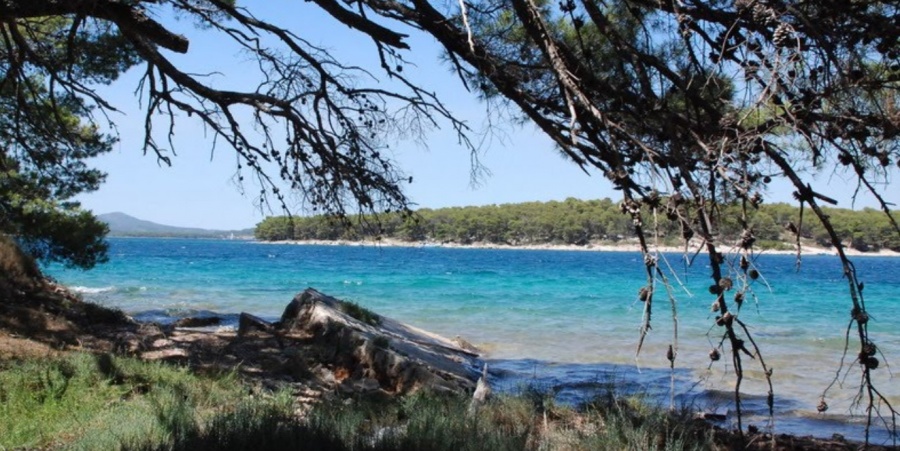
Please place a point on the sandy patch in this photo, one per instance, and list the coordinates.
(625, 246)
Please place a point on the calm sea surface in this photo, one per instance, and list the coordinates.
(566, 321)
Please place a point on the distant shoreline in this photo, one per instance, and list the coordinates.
(594, 247)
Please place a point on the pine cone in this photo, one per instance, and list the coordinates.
(783, 33)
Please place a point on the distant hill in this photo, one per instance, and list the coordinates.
(121, 224)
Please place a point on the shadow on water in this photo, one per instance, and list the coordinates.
(575, 384)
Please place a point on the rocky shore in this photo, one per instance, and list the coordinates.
(321, 348)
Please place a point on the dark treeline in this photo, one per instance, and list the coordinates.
(577, 222)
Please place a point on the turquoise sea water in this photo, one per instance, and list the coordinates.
(566, 321)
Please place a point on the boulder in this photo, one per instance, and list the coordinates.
(248, 323)
(369, 352)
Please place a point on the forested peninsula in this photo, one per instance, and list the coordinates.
(579, 222)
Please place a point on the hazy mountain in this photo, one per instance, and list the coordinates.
(121, 224)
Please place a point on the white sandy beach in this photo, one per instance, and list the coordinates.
(623, 246)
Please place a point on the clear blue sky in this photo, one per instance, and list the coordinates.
(199, 191)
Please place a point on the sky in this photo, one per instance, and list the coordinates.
(199, 189)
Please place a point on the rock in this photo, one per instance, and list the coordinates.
(165, 354)
(205, 321)
(161, 343)
(366, 385)
(129, 343)
(296, 364)
(292, 318)
(374, 352)
(327, 377)
(150, 331)
(465, 345)
(720, 414)
(248, 323)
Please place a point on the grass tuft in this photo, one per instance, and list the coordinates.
(84, 401)
(360, 313)
(100, 400)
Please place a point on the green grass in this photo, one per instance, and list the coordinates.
(633, 423)
(99, 397)
(99, 402)
(412, 423)
(444, 423)
(360, 313)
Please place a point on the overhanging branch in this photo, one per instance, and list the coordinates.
(126, 17)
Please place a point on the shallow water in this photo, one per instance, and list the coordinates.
(566, 320)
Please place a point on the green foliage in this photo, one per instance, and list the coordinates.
(47, 134)
(36, 185)
(578, 222)
(360, 313)
(268, 424)
(275, 228)
(423, 421)
(639, 425)
(84, 401)
(72, 237)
